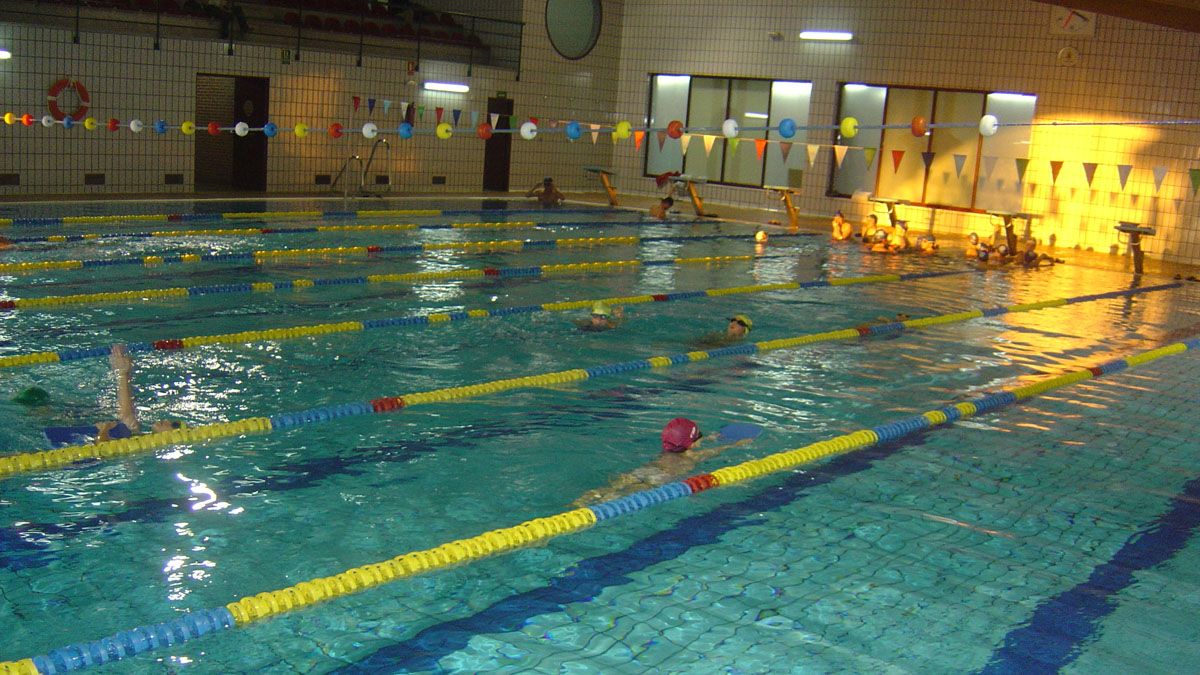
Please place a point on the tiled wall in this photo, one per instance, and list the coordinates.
(1126, 71)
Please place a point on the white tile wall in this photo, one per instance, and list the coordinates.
(1127, 71)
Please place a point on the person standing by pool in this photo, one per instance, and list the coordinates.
(546, 193)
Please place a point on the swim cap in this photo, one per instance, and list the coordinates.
(547, 179)
(880, 236)
(1002, 249)
(744, 320)
(973, 238)
(32, 397)
(599, 309)
(983, 254)
(679, 435)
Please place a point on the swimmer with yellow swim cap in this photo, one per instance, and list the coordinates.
(738, 328)
(602, 318)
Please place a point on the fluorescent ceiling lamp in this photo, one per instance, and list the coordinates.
(1008, 96)
(754, 115)
(834, 36)
(447, 86)
(5, 54)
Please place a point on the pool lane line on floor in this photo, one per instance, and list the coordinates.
(264, 256)
(276, 215)
(51, 459)
(456, 274)
(256, 231)
(309, 330)
(267, 604)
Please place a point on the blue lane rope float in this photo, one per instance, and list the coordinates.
(267, 255)
(58, 457)
(310, 330)
(267, 604)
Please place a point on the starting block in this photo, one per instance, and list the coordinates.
(606, 182)
(690, 182)
(785, 195)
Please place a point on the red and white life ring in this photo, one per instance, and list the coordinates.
(58, 88)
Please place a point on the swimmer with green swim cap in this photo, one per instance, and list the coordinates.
(602, 318)
(32, 397)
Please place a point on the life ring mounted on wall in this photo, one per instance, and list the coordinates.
(58, 88)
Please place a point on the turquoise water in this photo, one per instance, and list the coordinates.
(960, 547)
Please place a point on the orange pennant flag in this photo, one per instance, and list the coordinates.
(637, 139)
(760, 144)
(1055, 167)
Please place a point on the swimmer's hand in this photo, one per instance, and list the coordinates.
(119, 359)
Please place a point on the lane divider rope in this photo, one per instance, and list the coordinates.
(264, 256)
(461, 273)
(256, 231)
(50, 459)
(267, 604)
(309, 330)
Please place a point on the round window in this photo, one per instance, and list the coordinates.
(573, 26)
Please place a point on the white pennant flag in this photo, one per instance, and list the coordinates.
(684, 142)
(495, 119)
(812, 153)
(595, 132)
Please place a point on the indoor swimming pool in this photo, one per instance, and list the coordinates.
(1053, 533)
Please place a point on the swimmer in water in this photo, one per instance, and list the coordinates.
(870, 226)
(602, 318)
(663, 207)
(546, 193)
(681, 452)
(736, 330)
(842, 229)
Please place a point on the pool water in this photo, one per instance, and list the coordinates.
(1054, 534)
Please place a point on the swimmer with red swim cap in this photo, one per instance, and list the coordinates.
(679, 457)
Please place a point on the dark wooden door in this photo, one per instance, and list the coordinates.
(251, 98)
(497, 150)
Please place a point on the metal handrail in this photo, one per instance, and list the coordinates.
(362, 183)
(341, 171)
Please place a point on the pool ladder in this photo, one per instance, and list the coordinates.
(364, 167)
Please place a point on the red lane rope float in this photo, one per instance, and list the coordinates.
(58, 88)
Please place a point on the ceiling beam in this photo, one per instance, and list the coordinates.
(1178, 14)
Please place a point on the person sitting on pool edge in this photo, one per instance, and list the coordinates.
(680, 455)
(546, 192)
(126, 424)
(663, 207)
(739, 326)
(842, 230)
(602, 318)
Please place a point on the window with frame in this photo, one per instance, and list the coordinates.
(704, 103)
(951, 165)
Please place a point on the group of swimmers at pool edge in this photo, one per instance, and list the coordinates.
(894, 239)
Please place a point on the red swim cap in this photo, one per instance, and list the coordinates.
(679, 435)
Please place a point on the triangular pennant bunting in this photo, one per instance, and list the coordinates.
(387, 105)
(812, 149)
(989, 165)
(493, 119)
(733, 144)
(437, 114)
(709, 139)
(869, 155)
(684, 142)
(637, 139)
(1089, 170)
(370, 105)
(455, 114)
(760, 144)
(839, 153)
(927, 157)
(1194, 174)
(1123, 173)
(785, 149)
(897, 156)
(662, 138)
(474, 118)
(404, 109)
(959, 162)
(596, 133)
(421, 112)
(1022, 164)
(357, 101)
(1055, 167)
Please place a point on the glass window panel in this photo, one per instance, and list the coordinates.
(789, 100)
(749, 104)
(865, 104)
(707, 109)
(668, 101)
(908, 180)
(998, 190)
(947, 183)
